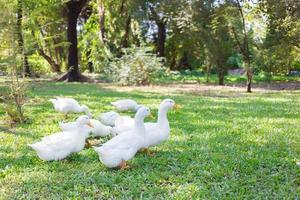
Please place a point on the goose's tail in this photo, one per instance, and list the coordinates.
(61, 125)
(113, 131)
(114, 103)
(100, 150)
(53, 101)
(35, 146)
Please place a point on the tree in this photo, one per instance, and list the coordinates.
(74, 8)
(243, 45)
(212, 26)
(46, 36)
(26, 68)
(161, 22)
(101, 11)
(280, 48)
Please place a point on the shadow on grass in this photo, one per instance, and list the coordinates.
(207, 155)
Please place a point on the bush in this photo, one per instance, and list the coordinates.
(38, 65)
(136, 67)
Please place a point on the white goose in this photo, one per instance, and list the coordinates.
(60, 145)
(109, 118)
(98, 130)
(156, 133)
(69, 105)
(122, 124)
(117, 151)
(126, 104)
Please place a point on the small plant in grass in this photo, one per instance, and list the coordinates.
(14, 97)
(14, 102)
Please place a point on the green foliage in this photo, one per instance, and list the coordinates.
(235, 61)
(92, 48)
(200, 35)
(280, 50)
(38, 65)
(137, 66)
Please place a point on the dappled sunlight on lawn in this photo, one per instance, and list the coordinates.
(220, 139)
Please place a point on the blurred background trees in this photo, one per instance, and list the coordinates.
(205, 36)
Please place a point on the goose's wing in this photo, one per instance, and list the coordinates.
(123, 123)
(68, 101)
(58, 140)
(99, 128)
(123, 104)
(109, 118)
(69, 106)
(130, 102)
(67, 126)
(120, 140)
(115, 103)
(63, 135)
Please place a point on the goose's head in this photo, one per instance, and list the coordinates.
(53, 101)
(143, 112)
(85, 109)
(137, 107)
(84, 120)
(167, 104)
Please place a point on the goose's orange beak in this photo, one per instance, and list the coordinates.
(177, 107)
(90, 125)
(151, 116)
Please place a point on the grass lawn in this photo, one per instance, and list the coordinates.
(224, 145)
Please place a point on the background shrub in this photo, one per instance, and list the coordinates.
(136, 67)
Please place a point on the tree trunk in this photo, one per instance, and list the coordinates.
(221, 75)
(248, 72)
(55, 67)
(208, 73)
(101, 10)
(90, 67)
(127, 30)
(221, 79)
(73, 50)
(249, 80)
(26, 68)
(184, 61)
(173, 61)
(161, 31)
(73, 74)
(244, 47)
(161, 38)
(90, 64)
(27, 71)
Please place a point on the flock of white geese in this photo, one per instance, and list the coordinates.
(129, 135)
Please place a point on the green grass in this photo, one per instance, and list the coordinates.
(242, 146)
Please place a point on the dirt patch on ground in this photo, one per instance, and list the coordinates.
(210, 89)
(290, 85)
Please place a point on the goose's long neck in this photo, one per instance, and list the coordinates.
(81, 131)
(162, 118)
(86, 111)
(139, 125)
(81, 109)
